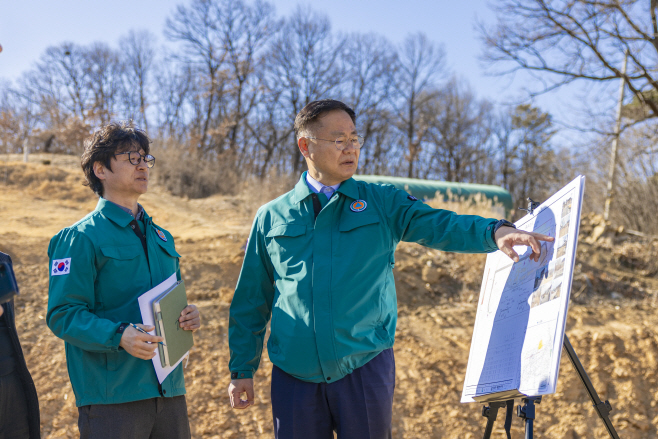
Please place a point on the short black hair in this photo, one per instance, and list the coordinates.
(312, 112)
(107, 141)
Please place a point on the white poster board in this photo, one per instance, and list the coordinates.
(522, 308)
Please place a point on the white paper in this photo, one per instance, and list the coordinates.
(522, 308)
(146, 308)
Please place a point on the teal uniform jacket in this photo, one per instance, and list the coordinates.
(95, 292)
(328, 282)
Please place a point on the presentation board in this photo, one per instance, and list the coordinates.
(522, 307)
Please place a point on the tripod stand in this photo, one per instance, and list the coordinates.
(527, 411)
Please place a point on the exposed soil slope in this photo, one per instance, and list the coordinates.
(612, 322)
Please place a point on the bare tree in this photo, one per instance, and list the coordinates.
(245, 30)
(175, 88)
(194, 26)
(138, 57)
(536, 172)
(578, 40)
(421, 64)
(104, 72)
(369, 66)
(303, 65)
(459, 134)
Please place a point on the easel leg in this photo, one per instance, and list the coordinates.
(527, 412)
(491, 412)
(603, 409)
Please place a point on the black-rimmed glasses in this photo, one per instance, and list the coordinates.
(343, 142)
(136, 158)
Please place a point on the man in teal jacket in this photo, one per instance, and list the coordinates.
(319, 261)
(98, 268)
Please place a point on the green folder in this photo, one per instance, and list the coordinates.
(166, 312)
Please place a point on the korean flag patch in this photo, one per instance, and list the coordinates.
(61, 267)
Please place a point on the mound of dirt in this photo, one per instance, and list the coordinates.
(611, 323)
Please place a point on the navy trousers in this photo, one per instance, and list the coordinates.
(358, 406)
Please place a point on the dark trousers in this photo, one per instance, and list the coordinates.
(359, 405)
(156, 418)
(13, 408)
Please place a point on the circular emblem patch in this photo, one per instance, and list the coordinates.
(161, 235)
(358, 206)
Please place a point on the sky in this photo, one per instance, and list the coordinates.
(28, 27)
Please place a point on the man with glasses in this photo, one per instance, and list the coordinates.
(319, 261)
(98, 268)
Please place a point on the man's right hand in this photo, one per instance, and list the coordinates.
(138, 344)
(237, 388)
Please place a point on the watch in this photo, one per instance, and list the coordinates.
(499, 224)
(122, 327)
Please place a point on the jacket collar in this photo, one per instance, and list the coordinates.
(114, 213)
(301, 191)
(349, 188)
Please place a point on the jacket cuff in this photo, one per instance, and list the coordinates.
(116, 339)
(241, 374)
(489, 236)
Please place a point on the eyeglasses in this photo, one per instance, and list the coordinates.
(343, 142)
(136, 158)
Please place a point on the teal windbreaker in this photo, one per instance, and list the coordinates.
(95, 292)
(328, 282)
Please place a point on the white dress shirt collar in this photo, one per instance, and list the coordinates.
(316, 186)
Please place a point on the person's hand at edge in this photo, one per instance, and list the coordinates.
(237, 388)
(190, 319)
(138, 344)
(508, 237)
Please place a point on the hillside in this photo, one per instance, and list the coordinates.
(612, 320)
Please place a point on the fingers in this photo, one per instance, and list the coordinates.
(541, 237)
(148, 338)
(190, 319)
(536, 248)
(145, 327)
(239, 387)
(144, 351)
(189, 309)
(509, 251)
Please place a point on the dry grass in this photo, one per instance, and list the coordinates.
(47, 182)
(474, 205)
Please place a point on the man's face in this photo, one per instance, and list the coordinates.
(125, 180)
(326, 163)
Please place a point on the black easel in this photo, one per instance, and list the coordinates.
(603, 409)
(491, 411)
(527, 411)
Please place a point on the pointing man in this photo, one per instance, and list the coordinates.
(319, 261)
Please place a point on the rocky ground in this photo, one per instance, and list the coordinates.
(612, 319)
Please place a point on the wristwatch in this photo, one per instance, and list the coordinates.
(122, 327)
(499, 224)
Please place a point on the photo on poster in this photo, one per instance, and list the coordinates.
(566, 207)
(564, 230)
(534, 300)
(545, 292)
(555, 289)
(562, 247)
(559, 267)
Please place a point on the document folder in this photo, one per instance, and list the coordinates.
(166, 312)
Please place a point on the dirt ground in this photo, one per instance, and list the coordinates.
(612, 319)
